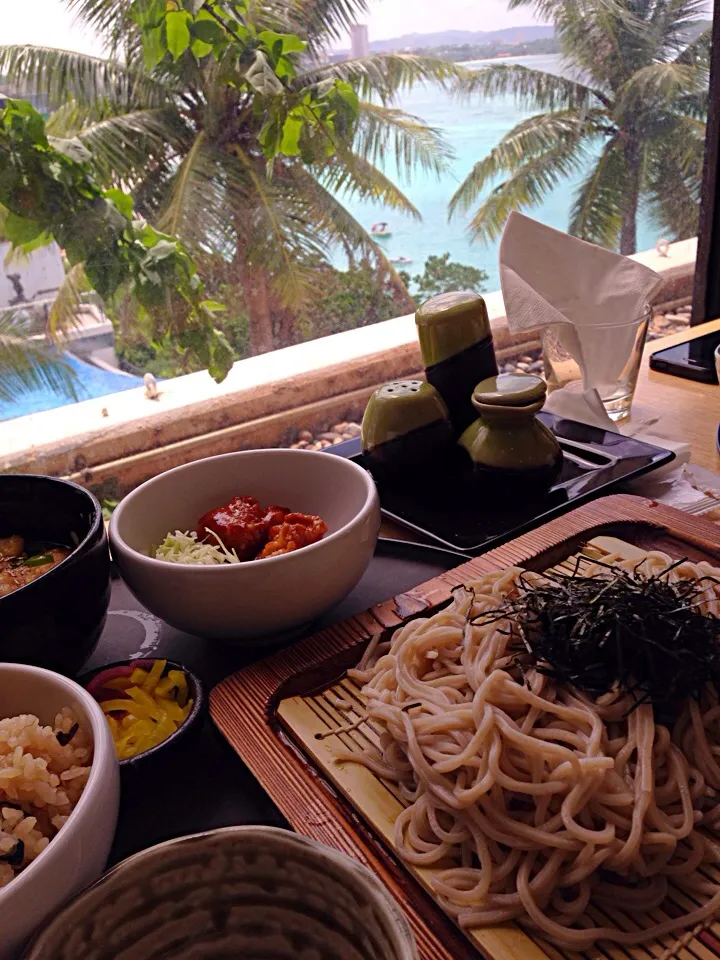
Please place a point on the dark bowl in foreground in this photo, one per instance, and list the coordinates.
(173, 746)
(55, 621)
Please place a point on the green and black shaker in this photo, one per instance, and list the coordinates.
(406, 425)
(457, 350)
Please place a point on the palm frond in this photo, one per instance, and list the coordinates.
(123, 146)
(656, 86)
(530, 138)
(698, 52)
(29, 363)
(65, 313)
(386, 75)
(64, 75)
(351, 175)
(415, 145)
(598, 209)
(338, 224)
(318, 21)
(674, 20)
(674, 172)
(272, 230)
(184, 182)
(196, 197)
(343, 230)
(112, 20)
(527, 188)
(531, 88)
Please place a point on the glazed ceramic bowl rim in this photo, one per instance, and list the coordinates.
(213, 569)
(95, 525)
(102, 744)
(321, 852)
(199, 699)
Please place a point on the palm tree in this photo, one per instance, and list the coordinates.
(188, 146)
(633, 115)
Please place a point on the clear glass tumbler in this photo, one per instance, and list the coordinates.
(617, 388)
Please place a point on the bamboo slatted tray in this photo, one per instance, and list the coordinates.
(271, 712)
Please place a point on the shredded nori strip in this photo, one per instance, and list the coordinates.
(64, 738)
(15, 856)
(638, 633)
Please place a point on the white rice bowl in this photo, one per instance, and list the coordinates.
(41, 779)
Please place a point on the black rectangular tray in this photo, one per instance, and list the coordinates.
(453, 510)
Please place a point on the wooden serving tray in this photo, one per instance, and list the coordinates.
(275, 712)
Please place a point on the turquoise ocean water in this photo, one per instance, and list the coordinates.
(472, 129)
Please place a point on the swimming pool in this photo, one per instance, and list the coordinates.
(91, 382)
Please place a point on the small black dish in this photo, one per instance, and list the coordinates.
(167, 752)
(55, 621)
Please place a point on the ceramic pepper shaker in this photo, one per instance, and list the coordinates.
(457, 350)
(508, 445)
(406, 424)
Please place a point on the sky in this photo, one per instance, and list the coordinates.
(45, 23)
(389, 18)
(48, 23)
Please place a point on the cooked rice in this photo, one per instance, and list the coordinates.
(40, 782)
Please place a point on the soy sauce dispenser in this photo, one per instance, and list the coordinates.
(457, 350)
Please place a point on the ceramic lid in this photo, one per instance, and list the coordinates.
(399, 407)
(510, 390)
(453, 304)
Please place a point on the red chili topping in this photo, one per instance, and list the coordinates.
(241, 525)
(256, 532)
(296, 531)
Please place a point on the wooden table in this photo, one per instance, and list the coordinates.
(685, 410)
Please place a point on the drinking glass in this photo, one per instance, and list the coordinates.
(617, 389)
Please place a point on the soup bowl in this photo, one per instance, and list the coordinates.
(255, 601)
(56, 620)
(237, 892)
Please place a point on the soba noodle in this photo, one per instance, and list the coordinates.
(533, 801)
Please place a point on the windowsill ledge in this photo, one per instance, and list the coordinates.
(121, 439)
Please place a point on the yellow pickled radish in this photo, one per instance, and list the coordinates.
(155, 674)
(151, 708)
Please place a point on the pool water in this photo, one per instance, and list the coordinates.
(91, 382)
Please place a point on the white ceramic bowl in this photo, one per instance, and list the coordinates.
(76, 856)
(238, 892)
(254, 600)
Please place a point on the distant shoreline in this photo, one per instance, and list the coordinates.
(519, 56)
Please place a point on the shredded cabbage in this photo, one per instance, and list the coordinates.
(185, 547)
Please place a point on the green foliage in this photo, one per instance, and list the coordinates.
(358, 297)
(441, 276)
(49, 193)
(642, 99)
(300, 119)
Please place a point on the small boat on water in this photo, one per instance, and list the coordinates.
(380, 229)
(401, 260)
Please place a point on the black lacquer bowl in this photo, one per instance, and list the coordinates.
(55, 621)
(174, 748)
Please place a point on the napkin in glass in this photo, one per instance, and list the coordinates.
(549, 278)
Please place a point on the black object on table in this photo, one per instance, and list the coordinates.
(210, 787)
(451, 508)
